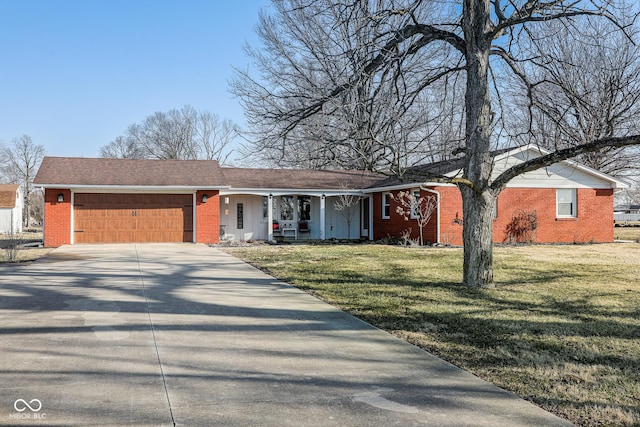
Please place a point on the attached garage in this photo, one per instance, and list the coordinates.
(132, 218)
(130, 200)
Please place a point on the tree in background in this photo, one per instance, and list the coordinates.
(381, 123)
(345, 205)
(185, 134)
(584, 81)
(413, 207)
(20, 162)
(430, 52)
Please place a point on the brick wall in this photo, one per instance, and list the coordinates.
(396, 224)
(594, 221)
(208, 217)
(450, 215)
(57, 218)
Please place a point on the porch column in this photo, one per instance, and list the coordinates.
(270, 218)
(322, 216)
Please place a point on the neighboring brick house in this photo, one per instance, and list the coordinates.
(124, 200)
(10, 208)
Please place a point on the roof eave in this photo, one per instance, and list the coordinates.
(615, 182)
(133, 188)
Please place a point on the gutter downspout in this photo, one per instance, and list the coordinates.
(428, 190)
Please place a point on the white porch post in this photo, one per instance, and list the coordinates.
(322, 217)
(270, 218)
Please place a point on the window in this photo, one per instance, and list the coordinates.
(566, 203)
(386, 205)
(240, 216)
(415, 204)
(286, 208)
(304, 208)
(265, 207)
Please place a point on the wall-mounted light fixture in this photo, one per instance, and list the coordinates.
(205, 198)
(60, 198)
(226, 200)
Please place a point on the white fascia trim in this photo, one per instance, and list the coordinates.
(173, 189)
(617, 183)
(291, 192)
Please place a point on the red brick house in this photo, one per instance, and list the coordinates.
(563, 203)
(126, 200)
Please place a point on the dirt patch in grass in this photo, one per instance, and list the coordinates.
(561, 329)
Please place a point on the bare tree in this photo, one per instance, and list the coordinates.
(122, 147)
(585, 83)
(419, 209)
(421, 43)
(175, 134)
(20, 162)
(381, 123)
(213, 136)
(345, 205)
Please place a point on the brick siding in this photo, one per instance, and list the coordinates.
(593, 223)
(208, 217)
(57, 218)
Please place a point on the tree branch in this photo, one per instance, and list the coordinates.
(548, 159)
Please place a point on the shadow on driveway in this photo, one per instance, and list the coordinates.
(182, 334)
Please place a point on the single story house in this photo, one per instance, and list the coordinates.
(626, 213)
(126, 200)
(10, 208)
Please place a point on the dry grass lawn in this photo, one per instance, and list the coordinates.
(627, 233)
(22, 254)
(562, 328)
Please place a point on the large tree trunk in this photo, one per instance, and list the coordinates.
(477, 235)
(478, 200)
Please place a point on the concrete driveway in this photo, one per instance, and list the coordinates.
(162, 334)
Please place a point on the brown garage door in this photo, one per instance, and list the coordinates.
(133, 218)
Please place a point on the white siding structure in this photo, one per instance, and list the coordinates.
(10, 208)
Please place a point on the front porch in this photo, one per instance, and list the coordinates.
(299, 216)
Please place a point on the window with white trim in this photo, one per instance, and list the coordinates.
(386, 205)
(566, 203)
(415, 204)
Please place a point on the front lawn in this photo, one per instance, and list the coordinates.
(627, 233)
(16, 247)
(562, 328)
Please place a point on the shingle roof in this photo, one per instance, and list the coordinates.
(8, 195)
(129, 172)
(431, 171)
(299, 178)
(424, 173)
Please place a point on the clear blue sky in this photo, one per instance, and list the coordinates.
(75, 74)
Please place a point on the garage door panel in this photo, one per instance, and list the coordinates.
(135, 218)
